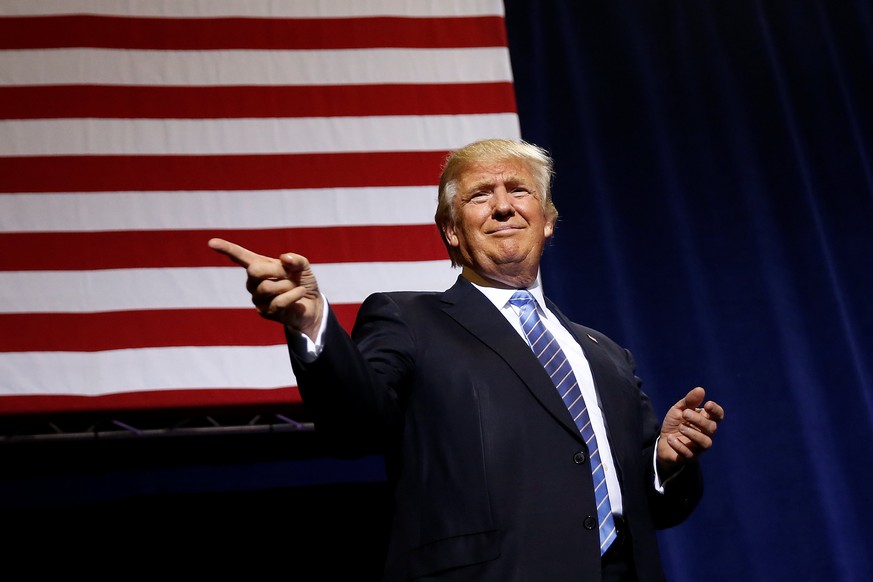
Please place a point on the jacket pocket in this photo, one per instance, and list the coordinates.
(454, 552)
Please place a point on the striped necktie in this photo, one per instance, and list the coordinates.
(552, 357)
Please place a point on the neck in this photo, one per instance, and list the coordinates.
(503, 282)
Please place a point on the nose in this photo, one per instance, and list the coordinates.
(502, 200)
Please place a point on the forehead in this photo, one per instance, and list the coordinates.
(492, 173)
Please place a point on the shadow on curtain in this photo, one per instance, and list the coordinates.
(715, 183)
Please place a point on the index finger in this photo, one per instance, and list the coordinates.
(239, 255)
(715, 411)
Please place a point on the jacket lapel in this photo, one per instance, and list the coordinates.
(597, 359)
(466, 305)
(602, 369)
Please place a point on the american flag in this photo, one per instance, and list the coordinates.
(133, 131)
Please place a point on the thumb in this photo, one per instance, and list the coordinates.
(293, 262)
(693, 399)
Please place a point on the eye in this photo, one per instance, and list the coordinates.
(480, 197)
(521, 192)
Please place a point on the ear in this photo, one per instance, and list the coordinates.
(549, 228)
(451, 235)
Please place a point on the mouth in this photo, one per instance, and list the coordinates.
(505, 229)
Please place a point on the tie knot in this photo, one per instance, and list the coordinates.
(521, 298)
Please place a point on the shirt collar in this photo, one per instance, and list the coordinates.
(500, 297)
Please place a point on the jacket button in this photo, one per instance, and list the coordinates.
(589, 522)
(580, 458)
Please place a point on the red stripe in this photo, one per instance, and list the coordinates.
(117, 330)
(41, 102)
(145, 249)
(250, 33)
(239, 172)
(206, 399)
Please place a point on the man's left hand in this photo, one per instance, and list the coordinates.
(687, 430)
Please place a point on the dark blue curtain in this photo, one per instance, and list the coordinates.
(715, 184)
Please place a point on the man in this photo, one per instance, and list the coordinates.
(502, 468)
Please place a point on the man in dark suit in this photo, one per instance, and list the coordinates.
(503, 468)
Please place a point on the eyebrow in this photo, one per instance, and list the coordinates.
(513, 180)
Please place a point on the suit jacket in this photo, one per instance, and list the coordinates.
(480, 450)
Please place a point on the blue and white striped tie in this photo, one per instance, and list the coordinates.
(552, 357)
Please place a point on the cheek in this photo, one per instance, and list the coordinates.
(470, 223)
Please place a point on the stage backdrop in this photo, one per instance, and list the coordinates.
(132, 132)
(715, 182)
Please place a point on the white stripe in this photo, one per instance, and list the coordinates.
(113, 371)
(41, 137)
(254, 8)
(253, 67)
(606, 540)
(193, 210)
(200, 287)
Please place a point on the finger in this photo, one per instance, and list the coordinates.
(260, 272)
(283, 301)
(265, 269)
(691, 400)
(273, 287)
(680, 447)
(239, 255)
(293, 262)
(695, 397)
(697, 438)
(265, 292)
(699, 419)
(714, 410)
(277, 308)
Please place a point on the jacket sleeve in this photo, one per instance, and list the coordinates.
(682, 492)
(351, 390)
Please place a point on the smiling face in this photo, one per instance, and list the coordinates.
(500, 225)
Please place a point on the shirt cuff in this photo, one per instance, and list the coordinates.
(659, 485)
(302, 345)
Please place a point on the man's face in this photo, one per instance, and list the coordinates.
(500, 226)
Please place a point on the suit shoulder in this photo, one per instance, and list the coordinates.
(403, 298)
(411, 295)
